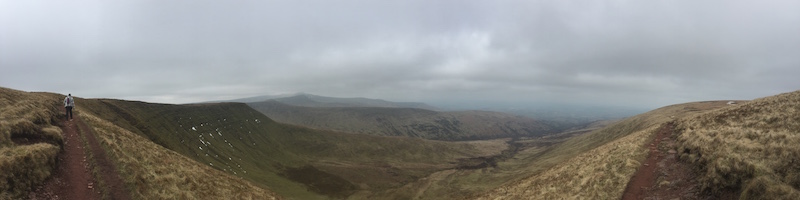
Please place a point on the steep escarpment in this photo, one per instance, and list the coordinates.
(409, 122)
(296, 162)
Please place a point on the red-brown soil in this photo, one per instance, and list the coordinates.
(664, 176)
(73, 177)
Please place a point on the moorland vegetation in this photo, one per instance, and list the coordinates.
(29, 140)
(752, 147)
(230, 150)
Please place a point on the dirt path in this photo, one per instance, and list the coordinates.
(664, 176)
(73, 177)
(103, 165)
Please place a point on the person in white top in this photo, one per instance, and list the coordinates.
(68, 104)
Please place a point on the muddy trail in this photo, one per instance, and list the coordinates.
(664, 176)
(83, 170)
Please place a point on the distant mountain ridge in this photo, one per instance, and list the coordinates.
(293, 161)
(410, 122)
(310, 100)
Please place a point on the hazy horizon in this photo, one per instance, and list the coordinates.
(632, 54)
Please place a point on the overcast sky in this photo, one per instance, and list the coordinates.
(634, 53)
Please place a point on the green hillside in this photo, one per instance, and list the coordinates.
(231, 150)
(409, 122)
(293, 161)
(30, 140)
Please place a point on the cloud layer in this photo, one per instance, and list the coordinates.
(618, 53)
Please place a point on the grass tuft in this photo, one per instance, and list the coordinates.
(24, 167)
(765, 187)
(29, 140)
(751, 147)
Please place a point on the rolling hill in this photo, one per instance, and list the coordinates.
(295, 162)
(310, 100)
(750, 148)
(230, 150)
(409, 122)
(597, 165)
(744, 150)
(31, 139)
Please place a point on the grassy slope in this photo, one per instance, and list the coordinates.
(153, 172)
(150, 170)
(406, 121)
(238, 140)
(596, 165)
(758, 153)
(752, 147)
(27, 117)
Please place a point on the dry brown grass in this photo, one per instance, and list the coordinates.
(24, 167)
(28, 118)
(751, 146)
(601, 173)
(153, 172)
(605, 159)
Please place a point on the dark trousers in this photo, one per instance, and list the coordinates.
(69, 112)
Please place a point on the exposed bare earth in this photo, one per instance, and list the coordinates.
(664, 176)
(73, 177)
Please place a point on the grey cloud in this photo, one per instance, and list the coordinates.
(632, 53)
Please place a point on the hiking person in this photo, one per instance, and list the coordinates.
(68, 104)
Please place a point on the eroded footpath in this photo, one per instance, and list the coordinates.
(73, 177)
(664, 176)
